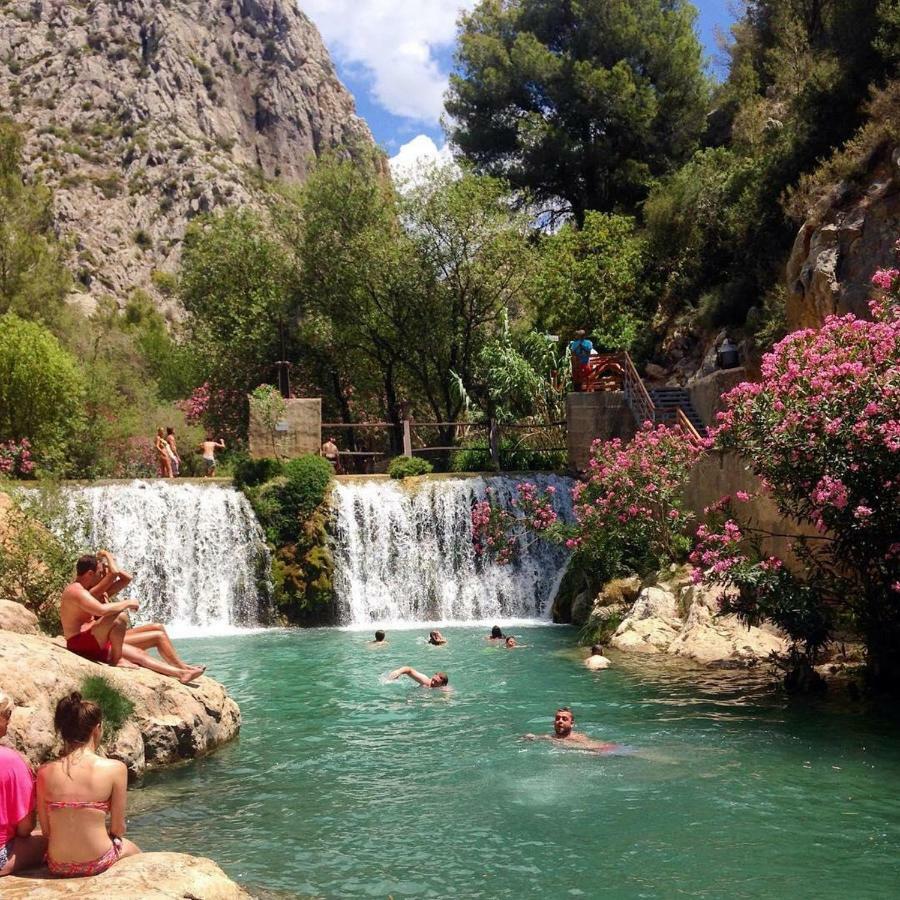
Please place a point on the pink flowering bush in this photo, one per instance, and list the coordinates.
(15, 459)
(224, 412)
(494, 532)
(628, 513)
(822, 432)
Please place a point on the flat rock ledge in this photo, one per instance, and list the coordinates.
(682, 619)
(150, 876)
(171, 722)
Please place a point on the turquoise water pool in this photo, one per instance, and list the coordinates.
(342, 785)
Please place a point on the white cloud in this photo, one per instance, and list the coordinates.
(395, 41)
(416, 158)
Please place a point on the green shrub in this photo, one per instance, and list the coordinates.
(289, 501)
(116, 708)
(252, 472)
(408, 466)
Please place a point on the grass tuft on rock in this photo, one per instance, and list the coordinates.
(117, 709)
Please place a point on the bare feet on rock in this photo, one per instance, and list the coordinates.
(191, 674)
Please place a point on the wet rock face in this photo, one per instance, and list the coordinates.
(848, 236)
(171, 721)
(142, 115)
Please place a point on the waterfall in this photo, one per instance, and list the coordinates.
(196, 551)
(405, 553)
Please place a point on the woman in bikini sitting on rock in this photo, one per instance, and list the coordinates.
(76, 793)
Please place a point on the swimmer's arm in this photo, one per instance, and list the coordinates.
(424, 680)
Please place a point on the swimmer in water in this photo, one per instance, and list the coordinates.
(379, 639)
(496, 634)
(512, 644)
(564, 733)
(597, 660)
(438, 680)
(436, 638)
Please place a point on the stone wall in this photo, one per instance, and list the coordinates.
(299, 432)
(598, 415)
(718, 474)
(706, 392)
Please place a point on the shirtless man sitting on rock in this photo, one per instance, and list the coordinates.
(98, 630)
(564, 733)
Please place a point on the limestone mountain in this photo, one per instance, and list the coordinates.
(142, 114)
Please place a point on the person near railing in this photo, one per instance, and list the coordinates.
(581, 349)
(332, 454)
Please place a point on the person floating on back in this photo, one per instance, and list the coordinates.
(438, 680)
(597, 660)
(98, 630)
(436, 638)
(564, 733)
(77, 792)
(379, 639)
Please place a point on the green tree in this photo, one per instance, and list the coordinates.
(41, 388)
(360, 282)
(479, 263)
(583, 101)
(238, 285)
(33, 278)
(590, 278)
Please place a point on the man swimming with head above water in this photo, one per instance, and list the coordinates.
(564, 733)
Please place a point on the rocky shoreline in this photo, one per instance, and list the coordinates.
(171, 723)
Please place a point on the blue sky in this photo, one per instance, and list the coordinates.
(395, 55)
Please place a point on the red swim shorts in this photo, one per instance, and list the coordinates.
(86, 645)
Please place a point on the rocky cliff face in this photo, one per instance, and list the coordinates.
(851, 233)
(143, 114)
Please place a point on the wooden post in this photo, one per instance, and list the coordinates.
(407, 439)
(494, 443)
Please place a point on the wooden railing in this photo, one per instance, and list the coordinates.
(686, 425)
(636, 396)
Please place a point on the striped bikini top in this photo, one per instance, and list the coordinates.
(102, 805)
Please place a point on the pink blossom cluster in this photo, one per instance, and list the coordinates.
(15, 459)
(492, 532)
(537, 509)
(717, 552)
(134, 458)
(195, 406)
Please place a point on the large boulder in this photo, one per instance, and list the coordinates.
(713, 639)
(149, 876)
(171, 721)
(15, 617)
(652, 624)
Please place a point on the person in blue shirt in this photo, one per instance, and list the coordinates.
(580, 349)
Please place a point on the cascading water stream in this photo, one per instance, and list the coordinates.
(405, 553)
(196, 551)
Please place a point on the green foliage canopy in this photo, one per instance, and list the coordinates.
(590, 278)
(41, 387)
(580, 100)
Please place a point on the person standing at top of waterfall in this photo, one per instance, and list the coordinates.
(96, 629)
(439, 680)
(436, 638)
(174, 458)
(581, 349)
(163, 457)
(208, 449)
(332, 454)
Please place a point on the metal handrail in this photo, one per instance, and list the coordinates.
(636, 396)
